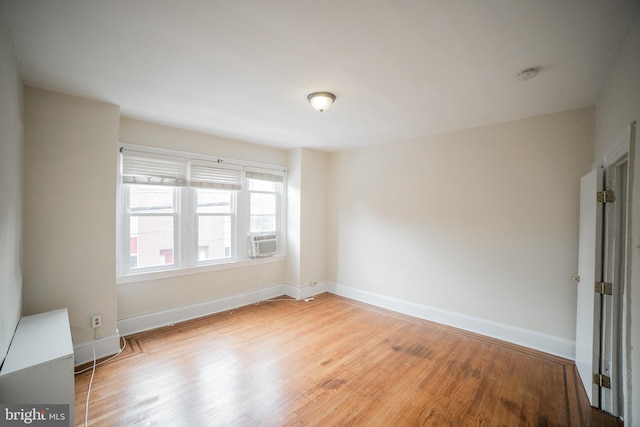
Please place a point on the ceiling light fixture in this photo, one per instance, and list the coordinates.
(527, 74)
(321, 100)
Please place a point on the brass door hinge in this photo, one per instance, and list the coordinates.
(602, 380)
(604, 288)
(606, 196)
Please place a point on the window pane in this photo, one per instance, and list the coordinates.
(214, 237)
(262, 223)
(213, 201)
(150, 199)
(262, 204)
(259, 185)
(151, 241)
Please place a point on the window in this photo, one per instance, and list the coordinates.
(264, 202)
(214, 223)
(152, 224)
(180, 210)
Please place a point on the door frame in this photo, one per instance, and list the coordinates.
(615, 315)
(614, 262)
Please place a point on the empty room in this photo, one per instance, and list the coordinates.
(376, 213)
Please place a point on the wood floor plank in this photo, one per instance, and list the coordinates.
(330, 362)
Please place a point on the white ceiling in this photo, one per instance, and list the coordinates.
(400, 69)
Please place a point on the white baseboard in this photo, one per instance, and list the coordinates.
(105, 346)
(307, 291)
(157, 319)
(149, 321)
(535, 340)
(527, 338)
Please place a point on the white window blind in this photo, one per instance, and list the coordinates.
(271, 176)
(213, 175)
(155, 169)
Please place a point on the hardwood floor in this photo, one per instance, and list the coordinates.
(330, 362)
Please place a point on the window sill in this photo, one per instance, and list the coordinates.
(156, 275)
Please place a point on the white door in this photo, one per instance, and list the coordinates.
(589, 271)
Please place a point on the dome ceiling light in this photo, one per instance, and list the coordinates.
(527, 74)
(321, 100)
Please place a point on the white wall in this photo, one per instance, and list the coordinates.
(313, 213)
(617, 107)
(69, 209)
(157, 295)
(480, 224)
(306, 217)
(155, 135)
(11, 150)
(294, 219)
(150, 296)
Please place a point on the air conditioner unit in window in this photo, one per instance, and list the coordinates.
(262, 245)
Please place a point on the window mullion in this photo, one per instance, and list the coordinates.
(125, 253)
(141, 214)
(234, 231)
(185, 226)
(242, 220)
(282, 218)
(278, 209)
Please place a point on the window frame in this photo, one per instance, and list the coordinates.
(186, 236)
(233, 214)
(126, 231)
(278, 209)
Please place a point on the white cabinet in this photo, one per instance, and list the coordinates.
(38, 368)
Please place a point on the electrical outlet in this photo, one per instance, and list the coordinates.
(96, 321)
